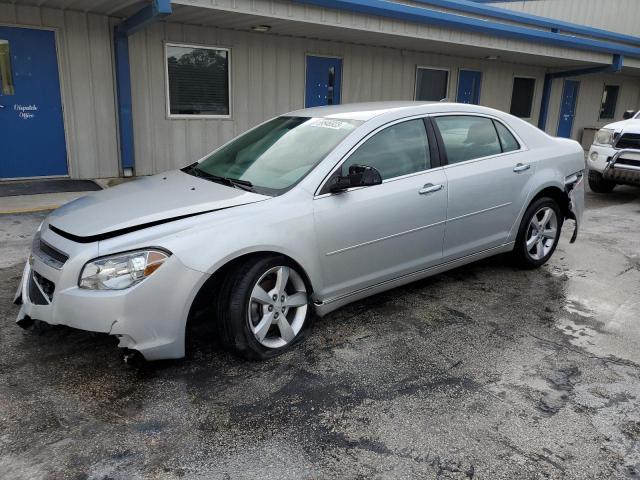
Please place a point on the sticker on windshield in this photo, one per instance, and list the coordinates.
(327, 123)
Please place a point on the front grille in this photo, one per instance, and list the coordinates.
(48, 254)
(46, 285)
(626, 161)
(53, 253)
(629, 140)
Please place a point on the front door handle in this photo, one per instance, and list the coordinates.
(521, 167)
(430, 188)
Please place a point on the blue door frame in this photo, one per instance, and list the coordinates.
(469, 83)
(32, 134)
(323, 81)
(568, 108)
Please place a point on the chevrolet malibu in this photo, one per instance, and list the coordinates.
(302, 214)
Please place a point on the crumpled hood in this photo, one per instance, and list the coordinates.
(148, 200)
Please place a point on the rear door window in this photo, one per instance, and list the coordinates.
(468, 137)
(507, 140)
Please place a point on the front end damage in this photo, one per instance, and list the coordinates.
(574, 190)
(140, 317)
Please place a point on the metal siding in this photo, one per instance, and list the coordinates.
(267, 73)
(279, 9)
(86, 66)
(594, 13)
(589, 97)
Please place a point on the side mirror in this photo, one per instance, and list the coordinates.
(628, 114)
(359, 176)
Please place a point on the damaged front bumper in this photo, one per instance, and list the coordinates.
(574, 188)
(149, 317)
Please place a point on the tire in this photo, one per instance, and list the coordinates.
(252, 320)
(599, 184)
(534, 246)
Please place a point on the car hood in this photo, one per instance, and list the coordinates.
(144, 202)
(631, 125)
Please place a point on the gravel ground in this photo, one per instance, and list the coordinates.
(482, 372)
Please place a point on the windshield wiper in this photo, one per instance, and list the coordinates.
(231, 182)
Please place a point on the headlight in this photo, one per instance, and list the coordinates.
(120, 271)
(604, 137)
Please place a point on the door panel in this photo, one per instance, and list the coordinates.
(487, 175)
(469, 87)
(568, 108)
(323, 81)
(32, 131)
(372, 234)
(485, 198)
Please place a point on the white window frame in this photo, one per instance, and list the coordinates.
(533, 97)
(425, 67)
(182, 116)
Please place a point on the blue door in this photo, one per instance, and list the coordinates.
(31, 129)
(469, 86)
(324, 78)
(568, 108)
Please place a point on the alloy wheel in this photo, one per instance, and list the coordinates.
(277, 307)
(542, 233)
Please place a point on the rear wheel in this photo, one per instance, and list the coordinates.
(264, 307)
(539, 233)
(598, 184)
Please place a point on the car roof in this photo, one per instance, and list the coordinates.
(367, 111)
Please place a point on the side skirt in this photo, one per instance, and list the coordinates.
(322, 308)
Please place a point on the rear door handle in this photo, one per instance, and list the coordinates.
(521, 167)
(430, 188)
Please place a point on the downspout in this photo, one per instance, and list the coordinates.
(152, 13)
(615, 67)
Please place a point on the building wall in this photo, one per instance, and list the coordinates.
(589, 101)
(267, 79)
(619, 16)
(86, 71)
(268, 74)
(369, 29)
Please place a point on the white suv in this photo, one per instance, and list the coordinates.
(614, 157)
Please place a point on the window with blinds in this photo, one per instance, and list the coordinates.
(198, 80)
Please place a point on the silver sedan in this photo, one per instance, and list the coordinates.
(302, 214)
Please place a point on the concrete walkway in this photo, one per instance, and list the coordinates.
(36, 203)
(49, 201)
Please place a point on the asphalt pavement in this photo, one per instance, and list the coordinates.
(486, 371)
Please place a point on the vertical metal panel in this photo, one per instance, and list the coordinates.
(596, 13)
(267, 73)
(589, 98)
(86, 71)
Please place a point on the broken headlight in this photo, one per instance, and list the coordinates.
(120, 271)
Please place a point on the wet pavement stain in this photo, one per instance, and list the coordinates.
(483, 372)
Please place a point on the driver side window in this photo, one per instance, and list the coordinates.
(397, 150)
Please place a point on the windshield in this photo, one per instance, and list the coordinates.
(276, 155)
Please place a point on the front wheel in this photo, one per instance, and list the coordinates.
(264, 307)
(539, 233)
